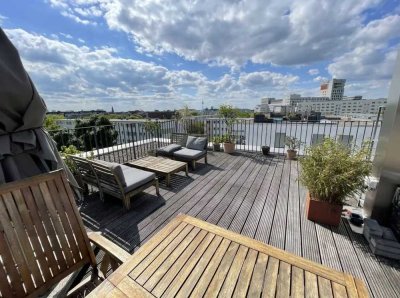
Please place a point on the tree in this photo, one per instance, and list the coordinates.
(97, 132)
(229, 115)
(50, 122)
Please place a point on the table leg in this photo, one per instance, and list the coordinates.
(187, 170)
(168, 180)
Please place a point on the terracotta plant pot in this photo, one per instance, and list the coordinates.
(291, 154)
(229, 147)
(217, 147)
(323, 212)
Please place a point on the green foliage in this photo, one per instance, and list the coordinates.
(229, 114)
(152, 127)
(195, 127)
(242, 114)
(292, 143)
(70, 150)
(50, 122)
(97, 132)
(228, 138)
(332, 171)
(183, 116)
(123, 116)
(217, 140)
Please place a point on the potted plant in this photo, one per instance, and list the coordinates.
(229, 114)
(229, 143)
(332, 172)
(265, 150)
(217, 143)
(292, 144)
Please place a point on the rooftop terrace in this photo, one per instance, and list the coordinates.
(253, 195)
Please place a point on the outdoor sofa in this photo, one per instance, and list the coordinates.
(184, 147)
(114, 179)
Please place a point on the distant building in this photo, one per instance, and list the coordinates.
(348, 108)
(334, 89)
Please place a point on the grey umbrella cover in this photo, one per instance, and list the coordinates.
(26, 149)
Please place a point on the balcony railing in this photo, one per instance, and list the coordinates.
(121, 142)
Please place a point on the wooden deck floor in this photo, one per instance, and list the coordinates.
(252, 195)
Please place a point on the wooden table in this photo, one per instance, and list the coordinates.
(190, 257)
(161, 166)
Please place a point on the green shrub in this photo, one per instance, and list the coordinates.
(332, 171)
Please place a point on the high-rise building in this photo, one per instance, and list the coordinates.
(334, 89)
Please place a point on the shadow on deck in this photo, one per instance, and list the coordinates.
(256, 196)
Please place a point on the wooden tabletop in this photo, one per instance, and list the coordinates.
(190, 257)
(158, 164)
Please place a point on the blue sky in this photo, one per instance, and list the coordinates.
(148, 54)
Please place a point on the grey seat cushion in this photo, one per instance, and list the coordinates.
(189, 154)
(196, 143)
(116, 168)
(168, 150)
(135, 178)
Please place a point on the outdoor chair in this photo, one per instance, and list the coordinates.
(43, 240)
(117, 180)
(184, 147)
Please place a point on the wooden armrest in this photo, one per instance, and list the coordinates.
(114, 250)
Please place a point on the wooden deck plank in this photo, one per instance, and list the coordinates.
(256, 212)
(278, 232)
(248, 202)
(309, 248)
(265, 224)
(293, 232)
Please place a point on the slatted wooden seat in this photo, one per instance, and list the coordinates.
(42, 237)
(99, 174)
(84, 171)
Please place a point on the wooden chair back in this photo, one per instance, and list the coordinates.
(42, 237)
(108, 182)
(84, 169)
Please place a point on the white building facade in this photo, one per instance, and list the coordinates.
(368, 108)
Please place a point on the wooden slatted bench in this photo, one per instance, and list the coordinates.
(190, 257)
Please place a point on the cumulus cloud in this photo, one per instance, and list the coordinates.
(71, 76)
(232, 33)
(313, 71)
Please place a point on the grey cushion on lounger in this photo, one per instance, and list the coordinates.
(188, 154)
(196, 143)
(168, 150)
(115, 168)
(135, 178)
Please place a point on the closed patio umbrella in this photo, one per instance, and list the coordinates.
(26, 149)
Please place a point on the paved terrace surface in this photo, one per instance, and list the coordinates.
(249, 194)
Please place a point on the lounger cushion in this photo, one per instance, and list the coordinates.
(168, 150)
(116, 168)
(135, 178)
(196, 143)
(188, 154)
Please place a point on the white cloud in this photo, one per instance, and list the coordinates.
(73, 76)
(225, 32)
(313, 71)
(2, 19)
(320, 79)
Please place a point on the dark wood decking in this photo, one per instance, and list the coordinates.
(252, 195)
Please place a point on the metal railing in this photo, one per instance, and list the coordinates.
(121, 142)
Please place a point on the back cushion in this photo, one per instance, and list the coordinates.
(194, 143)
(117, 170)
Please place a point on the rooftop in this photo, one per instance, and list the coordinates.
(255, 196)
